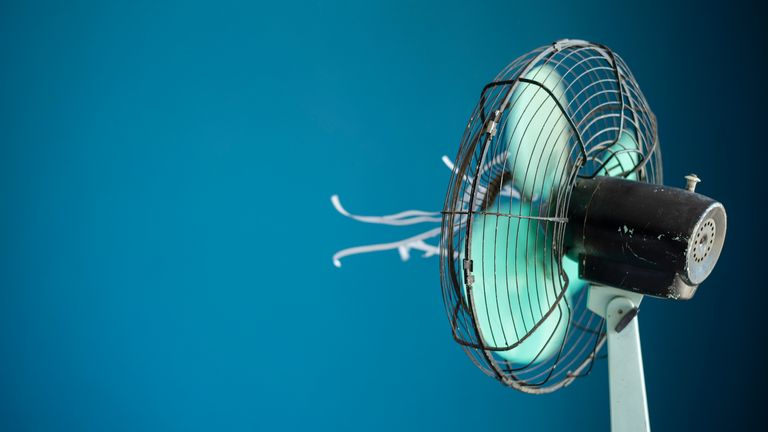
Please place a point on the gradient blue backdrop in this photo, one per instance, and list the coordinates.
(165, 173)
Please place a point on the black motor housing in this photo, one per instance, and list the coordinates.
(643, 237)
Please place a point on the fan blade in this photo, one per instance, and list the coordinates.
(516, 282)
(622, 156)
(537, 132)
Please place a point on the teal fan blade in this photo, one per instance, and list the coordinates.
(536, 133)
(515, 279)
(622, 156)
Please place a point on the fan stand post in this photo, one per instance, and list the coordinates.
(629, 406)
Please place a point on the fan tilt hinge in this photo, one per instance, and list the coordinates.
(625, 319)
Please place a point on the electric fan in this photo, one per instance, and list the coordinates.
(556, 225)
(537, 280)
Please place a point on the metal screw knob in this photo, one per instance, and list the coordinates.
(690, 182)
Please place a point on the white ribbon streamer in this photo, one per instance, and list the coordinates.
(412, 217)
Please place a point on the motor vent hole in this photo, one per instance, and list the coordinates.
(704, 240)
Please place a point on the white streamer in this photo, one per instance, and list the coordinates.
(402, 246)
(408, 217)
(412, 217)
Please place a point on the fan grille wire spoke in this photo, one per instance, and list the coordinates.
(604, 123)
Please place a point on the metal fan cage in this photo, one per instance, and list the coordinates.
(602, 101)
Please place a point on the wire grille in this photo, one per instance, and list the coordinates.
(590, 119)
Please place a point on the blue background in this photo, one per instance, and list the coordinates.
(166, 235)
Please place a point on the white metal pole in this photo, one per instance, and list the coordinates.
(629, 406)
